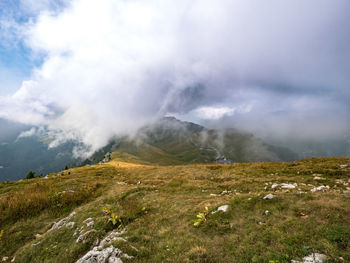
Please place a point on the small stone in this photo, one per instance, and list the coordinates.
(342, 166)
(288, 186)
(319, 188)
(266, 212)
(269, 197)
(274, 186)
(222, 208)
(5, 258)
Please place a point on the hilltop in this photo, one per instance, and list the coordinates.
(170, 141)
(133, 212)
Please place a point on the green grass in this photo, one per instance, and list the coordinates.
(159, 203)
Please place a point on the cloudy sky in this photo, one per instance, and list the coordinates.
(90, 69)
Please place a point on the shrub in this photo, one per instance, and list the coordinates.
(30, 175)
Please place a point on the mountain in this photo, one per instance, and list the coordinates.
(171, 141)
(19, 155)
(168, 141)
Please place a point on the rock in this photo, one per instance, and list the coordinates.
(89, 222)
(313, 258)
(62, 222)
(82, 238)
(37, 236)
(342, 166)
(113, 236)
(266, 212)
(288, 186)
(5, 258)
(222, 208)
(274, 186)
(107, 255)
(319, 178)
(35, 244)
(70, 224)
(269, 196)
(319, 188)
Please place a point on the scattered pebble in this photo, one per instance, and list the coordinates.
(274, 186)
(319, 188)
(288, 186)
(269, 196)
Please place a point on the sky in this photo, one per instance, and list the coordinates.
(89, 70)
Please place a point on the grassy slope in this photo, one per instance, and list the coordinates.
(298, 223)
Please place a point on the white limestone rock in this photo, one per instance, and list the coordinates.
(269, 197)
(62, 222)
(313, 258)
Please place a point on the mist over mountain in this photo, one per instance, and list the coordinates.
(171, 141)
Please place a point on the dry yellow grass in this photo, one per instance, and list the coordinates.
(158, 204)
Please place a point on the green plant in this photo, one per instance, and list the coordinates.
(107, 210)
(1, 234)
(116, 220)
(201, 218)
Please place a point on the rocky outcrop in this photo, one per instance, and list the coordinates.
(111, 254)
(62, 222)
(107, 255)
(313, 258)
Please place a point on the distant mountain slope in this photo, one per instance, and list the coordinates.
(165, 142)
(20, 155)
(170, 141)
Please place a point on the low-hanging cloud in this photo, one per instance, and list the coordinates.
(111, 66)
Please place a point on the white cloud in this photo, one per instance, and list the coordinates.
(112, 65)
